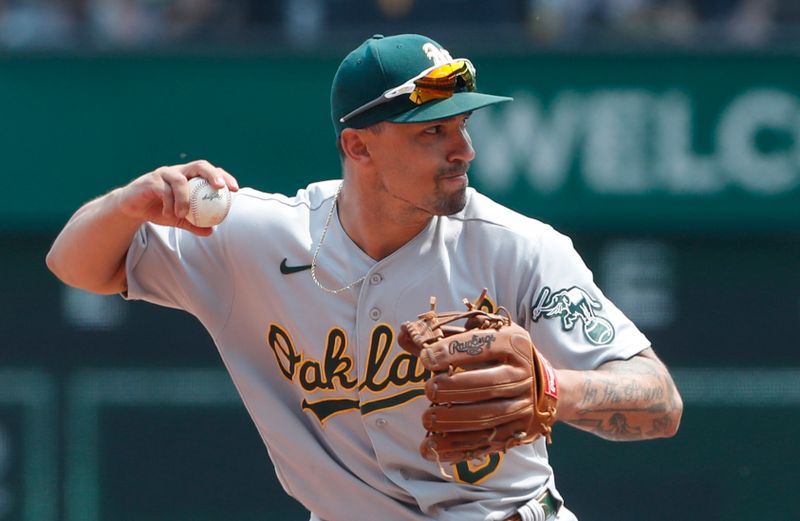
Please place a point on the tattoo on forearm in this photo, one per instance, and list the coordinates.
(612, 392)
(635, 402)
(661, 424)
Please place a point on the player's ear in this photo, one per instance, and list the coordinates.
(353, 146)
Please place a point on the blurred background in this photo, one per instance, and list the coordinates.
(662, 135)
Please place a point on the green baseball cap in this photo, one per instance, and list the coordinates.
(382, 64)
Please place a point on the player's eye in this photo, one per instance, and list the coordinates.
(436, 129)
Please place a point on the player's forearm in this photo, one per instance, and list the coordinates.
(90, 251)
(626, 400)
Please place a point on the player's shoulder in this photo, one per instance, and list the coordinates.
(308, 199)
(271, 209)
(257, 212)
(481, 212)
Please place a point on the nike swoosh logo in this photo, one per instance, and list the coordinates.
(288, 270)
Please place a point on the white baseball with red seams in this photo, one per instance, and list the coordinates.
(207, 205)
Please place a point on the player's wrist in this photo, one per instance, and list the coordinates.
(570, 384)
(122, 208)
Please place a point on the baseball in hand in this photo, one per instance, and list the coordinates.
(207, 205)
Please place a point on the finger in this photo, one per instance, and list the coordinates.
(215, 176)
(179, 186)
(182, 196)
(405, 340)
(457, 446)
(439, 449)
(167, 200)
(499, 381)
(230, 181)
(202, 232)
(477, 415)
(416, 334)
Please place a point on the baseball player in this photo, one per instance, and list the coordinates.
(369, 412)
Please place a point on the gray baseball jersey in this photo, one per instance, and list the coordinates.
(336, 401)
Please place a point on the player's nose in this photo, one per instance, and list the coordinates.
(462, 147)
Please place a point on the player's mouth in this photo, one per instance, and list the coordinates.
(459, 178)
(454, 179)
(454, 175)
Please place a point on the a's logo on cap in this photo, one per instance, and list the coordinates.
(436, 54)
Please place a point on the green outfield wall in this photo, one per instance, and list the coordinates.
(648, 141)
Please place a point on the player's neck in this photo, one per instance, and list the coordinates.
(372, 224)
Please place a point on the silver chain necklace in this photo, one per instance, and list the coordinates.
(319, 245)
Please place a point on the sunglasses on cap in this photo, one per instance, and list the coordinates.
(437, 82)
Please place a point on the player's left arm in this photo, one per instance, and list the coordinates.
(622, 400)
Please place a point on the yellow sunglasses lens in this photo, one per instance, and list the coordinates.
(447, 70)
(442, 82)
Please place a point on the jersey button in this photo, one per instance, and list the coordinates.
(374, 313)
(381, 423)
(375, 279)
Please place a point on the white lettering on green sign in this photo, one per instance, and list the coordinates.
(636, 141)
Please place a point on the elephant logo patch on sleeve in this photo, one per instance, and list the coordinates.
(574, 305)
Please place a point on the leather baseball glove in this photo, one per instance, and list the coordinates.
(489, 390)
